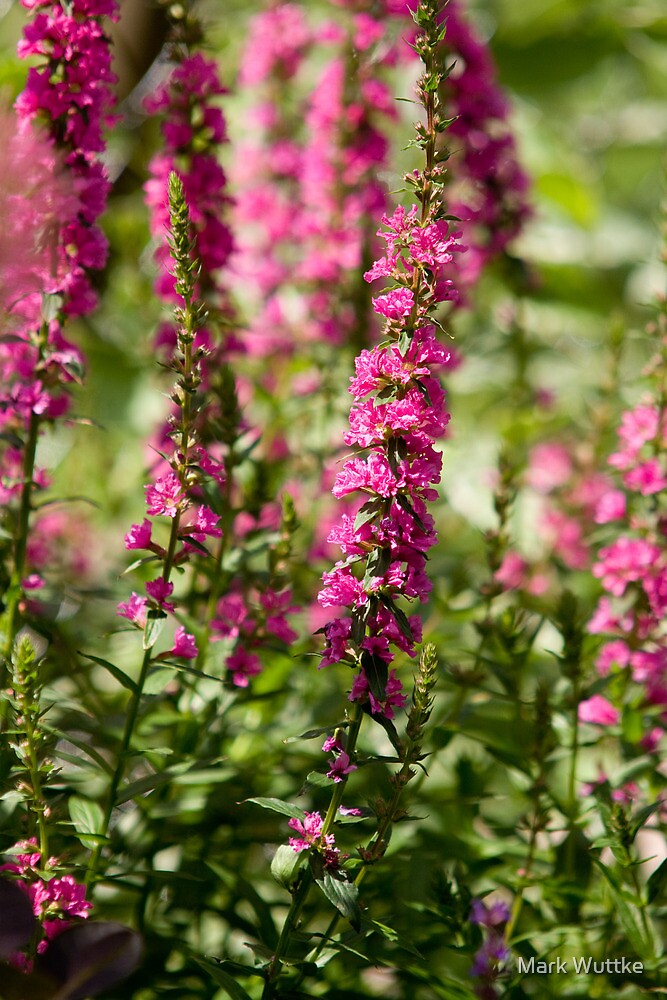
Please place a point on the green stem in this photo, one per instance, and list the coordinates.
(300, 896)
(518, 899)
(215, 586)
(298, 901)
(648, 935)
(574, 753)
(119, 772)
(28, 721)
(375, 849)
(15, 591)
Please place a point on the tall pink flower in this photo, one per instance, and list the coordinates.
(632, 568)
(398, 412)
(54, 189)
(194, 133)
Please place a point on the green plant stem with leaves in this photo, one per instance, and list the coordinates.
(190, 318)
(426, 186)
(30, 736)
(305, 882)
(390, 812)
(15, 590)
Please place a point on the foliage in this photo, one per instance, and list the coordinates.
(492, 789)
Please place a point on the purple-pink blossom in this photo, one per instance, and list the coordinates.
(135, 609)
(310, 837)
(57, 901)
(340, 766)
(165, 496)
(184, 645)
(139, 535)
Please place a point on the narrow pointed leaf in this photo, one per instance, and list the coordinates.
(115, 671)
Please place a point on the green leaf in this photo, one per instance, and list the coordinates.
(389, 728)
(377, 674)
(367, 512)
(343, 894)
(279, 806)
(195, 544)
(88, 820)
(318, 779)
(140, 562)
(222, 978)
(655, 887)
(81, 744)
(343, 819)
(640, 817)
(115, 671)
(228, 964)
(644, 947)
(144, 785)
(155, 622)
(401, 498)
(286, 864)
(263, 953)
(51, 306)
(400, 617)
(391, 935)
(312, 734)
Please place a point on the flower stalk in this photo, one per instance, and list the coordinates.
(385, 546)
(171, 493)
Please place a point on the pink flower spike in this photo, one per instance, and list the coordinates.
(184, 644)
(598, 711)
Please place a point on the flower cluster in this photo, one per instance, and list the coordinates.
(633, 567)
(398, 413)
(192, 525)
(311, 838)
(193, 130)
(57, 901)
(54, 189)
(52, 242)
(69, 92)
(175, 494)
(247, 622)
(311, 179)
(267, 169)
(574, 497)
